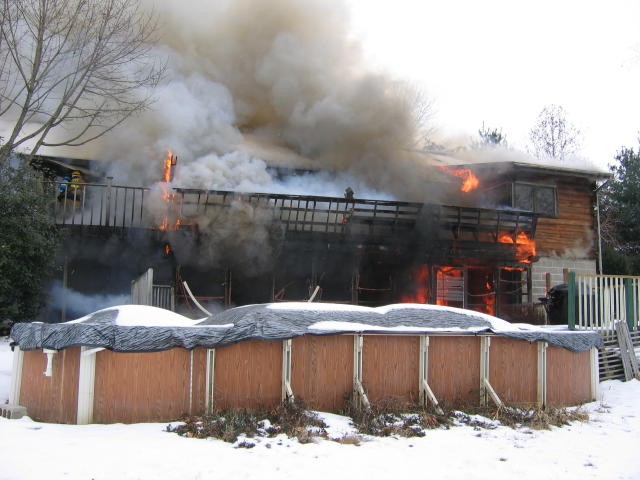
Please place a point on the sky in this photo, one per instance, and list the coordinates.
(248, 73)
(605, 448)
(499, 62)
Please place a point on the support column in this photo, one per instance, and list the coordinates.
(48, 372)
(426, 394)
(287, 392)
(86, 384)
(209, 380)
(359, 395)
(595, 374)
(542, 374)
(486, 390)
(16, 376)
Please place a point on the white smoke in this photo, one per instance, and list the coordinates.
(77, 304)
(286, 72)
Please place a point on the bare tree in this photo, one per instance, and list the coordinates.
(72, 70)
(553, 137)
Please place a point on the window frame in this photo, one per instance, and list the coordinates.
(534, 188)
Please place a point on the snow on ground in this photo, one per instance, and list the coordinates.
(605, 448)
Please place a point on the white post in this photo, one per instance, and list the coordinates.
(359, 395)
(86, 384)
(211, 364)
(191, 382)
(16, 376)
(595, 374)
(542, 374)
(426, 394)
(287, 392)
(48, 372)
(485, 343)
(423, 368)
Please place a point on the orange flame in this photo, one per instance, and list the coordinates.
(469, 180)
(167, 167)
(525, 247)
(488, 300)
(419, 275)
(446, 271)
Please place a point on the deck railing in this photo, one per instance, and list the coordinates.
(103, 205)
(116, 206)
(596, 302)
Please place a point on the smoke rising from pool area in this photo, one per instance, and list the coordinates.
(77, 304)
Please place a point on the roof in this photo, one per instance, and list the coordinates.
(524, 167)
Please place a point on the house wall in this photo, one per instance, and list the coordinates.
(568, 241)
(556, 267)
(572, 232)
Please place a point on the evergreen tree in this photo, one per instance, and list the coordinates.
(621, 202)
(28, 241)
(491, 137)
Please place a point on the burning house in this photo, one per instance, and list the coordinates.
(501, 235)
(220, 247)
(298, 174)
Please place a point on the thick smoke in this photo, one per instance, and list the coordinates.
(251, 85)
(286, 74)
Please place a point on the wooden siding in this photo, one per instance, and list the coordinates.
(55, 398)
(574, 228)
(248, 375)
(390, 368)
(322, 370)
(141, 387)
(199, 385)
(513, 371)
(454, 370)
(568, 377)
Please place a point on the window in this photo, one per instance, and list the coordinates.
(539, 199)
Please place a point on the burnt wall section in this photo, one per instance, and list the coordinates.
(95, 267)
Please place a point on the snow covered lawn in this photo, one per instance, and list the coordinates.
(606, 447)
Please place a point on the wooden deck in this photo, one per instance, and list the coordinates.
(121, 207)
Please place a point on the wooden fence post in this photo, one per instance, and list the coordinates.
(630, 304)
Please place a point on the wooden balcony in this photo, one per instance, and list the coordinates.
(121, 207)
